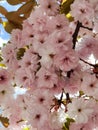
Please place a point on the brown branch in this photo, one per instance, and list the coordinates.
(75, 34)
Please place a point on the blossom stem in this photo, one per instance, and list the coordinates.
(86, 27)
(76, 33)
(87, 62)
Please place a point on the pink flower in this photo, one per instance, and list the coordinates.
(36, 16)
(9, 54)
(42, 97)
(27, 35)
(87, 46)
(80, 110)
(16, 37)
(24, 78)
(18, 126)
(83, 126)
(89, 85)
(29, 60)
(6, 94)
(72, 84)
(94, 117)
(66, 60)
(46, 78)
(5, 78)
(46, 51)
(57, 88)
(60, 39)
(57, 119)
(84, 9)
(57, 23)
(49, 7)
(38, 116)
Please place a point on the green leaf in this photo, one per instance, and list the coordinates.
(65, 128)
(1, 58)
(3, 11)
(25, 128)
(69, 17)
(67, 123)
(65, 6)
(2, 65)
(81, 93)
(20, 53)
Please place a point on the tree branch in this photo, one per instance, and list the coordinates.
(76, 33)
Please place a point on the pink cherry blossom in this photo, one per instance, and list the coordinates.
(50, 59)
(46, 78)
(38, 116)
(85, 9)
(28, 34)
(24, 78)
(6, 94)
(67, 60)
(5, 78)
(79, 110)
(42, 97)
(16, 37)
(46, 52)
(89, 85)
(85, 126)
(57, 119)
(29, 60)
(87, 46)
(50, 7)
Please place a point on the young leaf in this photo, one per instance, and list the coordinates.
(65, 6)
(15, 2)
(9, 26)
(14, 21)
(1, 58)
(14, 17)
(1, 20)
(69, 17)
(3, 11)
(67, 123)
(20, 53)
(26, 8)
(4, 121)
(26, 128)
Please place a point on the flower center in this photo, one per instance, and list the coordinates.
(2, 78)
(79, 110)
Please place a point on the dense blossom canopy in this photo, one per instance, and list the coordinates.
(52, 61)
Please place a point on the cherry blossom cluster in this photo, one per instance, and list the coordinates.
(49, 74)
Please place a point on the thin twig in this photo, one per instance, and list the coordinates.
(87, 62)
(86, 27)
(75, 35)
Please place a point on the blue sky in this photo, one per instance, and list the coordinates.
(4, 36)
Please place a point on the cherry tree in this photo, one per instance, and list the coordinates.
(49, 70)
